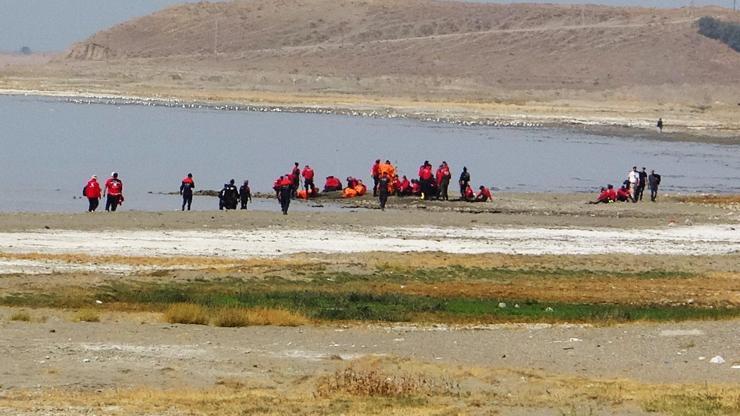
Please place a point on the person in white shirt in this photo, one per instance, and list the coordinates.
(634, 179)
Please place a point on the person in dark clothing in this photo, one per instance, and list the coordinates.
(186, 190)
(245, 194)
(285, 193)
(229, 196)
(653, 182)
(296, 176)
(660, 125)
(641, 185)
(383, 190)
(464, 181)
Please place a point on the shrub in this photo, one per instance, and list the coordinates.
(375, 383)
(20, 316)
(87, 315)
(727, 32)
(186, 313)
(237, 317)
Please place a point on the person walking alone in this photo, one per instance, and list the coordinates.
(113, 192)
(92, 192)
(186, 190)
(245, 194)
(653, 183)
(285, 192)
(383, 190)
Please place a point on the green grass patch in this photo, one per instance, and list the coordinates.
(357, 305)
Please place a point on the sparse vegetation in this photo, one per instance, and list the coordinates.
(695, 404)
(375, 383)
(20, 316)
(87, 315)
(187, 313)
(237, 317)
(727, 32)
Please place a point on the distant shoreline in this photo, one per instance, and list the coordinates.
(603, 127)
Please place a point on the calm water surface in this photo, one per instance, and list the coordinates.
(51, 147)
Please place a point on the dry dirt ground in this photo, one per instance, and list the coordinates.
(126, 363)
(136, 363)
(513, 64)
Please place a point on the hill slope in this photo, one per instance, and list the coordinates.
(519, 46)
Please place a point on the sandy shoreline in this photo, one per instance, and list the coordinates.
(605, 125)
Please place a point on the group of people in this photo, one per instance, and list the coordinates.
(228, 198)
(386, 182)
(632, 188)
(429, 185)
(112, 191)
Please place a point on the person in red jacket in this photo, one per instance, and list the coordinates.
(425, 178)
(286, 192)
(483, 195)
(295, 175)
(443, 180)
(92, 192)
(375, 173)
(114, 192)
(308, 175)
(404, 187)
(186, 190)
(468, 194)
(332, 184)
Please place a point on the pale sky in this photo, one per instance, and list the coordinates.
(53, 25)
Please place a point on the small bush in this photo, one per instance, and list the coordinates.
(186, 313)
(727, 32)
(238, 317)
(374, 383)
(20, 316)
(87, 315)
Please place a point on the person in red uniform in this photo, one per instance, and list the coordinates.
(612, 193)
(114, 192)
(92, 192)
(415, 187)
(295, 175)
(308, 175)
(332, 184)
(351, 182)
(286, 192)
(404, 187)
(468, 194)
(186, 190)
(425, 178)
(375, 173)
(484, 195)
(443, 180)
(623, 194)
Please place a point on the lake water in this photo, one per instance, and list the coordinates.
(50, 147)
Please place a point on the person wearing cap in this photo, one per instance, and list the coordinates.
(92, 192)
(186, 190)
(113, 192)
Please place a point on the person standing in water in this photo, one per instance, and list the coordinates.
(660, 125)
(92, 192)
(186, 190)
(245, 194)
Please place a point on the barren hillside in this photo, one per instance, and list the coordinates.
(603, 65)
(519, 46)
